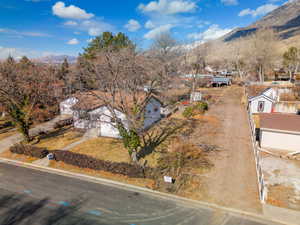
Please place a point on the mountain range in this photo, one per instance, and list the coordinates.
(285, 20)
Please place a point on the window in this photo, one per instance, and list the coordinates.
(261, 106)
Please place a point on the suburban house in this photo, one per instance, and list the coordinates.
(268, 101)
(66, 106)
(279, 131)
(91, 113)
(261, 104)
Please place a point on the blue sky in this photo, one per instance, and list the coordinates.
(48, 27)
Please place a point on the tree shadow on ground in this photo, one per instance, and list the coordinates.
(152, 139)
(55, 133)
(21, 210)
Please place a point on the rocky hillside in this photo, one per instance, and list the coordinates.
(285, 20)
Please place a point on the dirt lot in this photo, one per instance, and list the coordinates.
(232, 181)
(282, 181)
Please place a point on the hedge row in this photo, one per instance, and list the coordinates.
(63, 123)
(6, 124)
(29, 150)
(84, 161)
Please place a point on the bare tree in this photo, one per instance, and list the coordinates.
(195, 62)
(120, 77)
(237, 56)
(22, 88)
(165, 49)
(291, 60)
(262, 51)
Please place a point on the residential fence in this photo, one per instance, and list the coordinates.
(258, 160)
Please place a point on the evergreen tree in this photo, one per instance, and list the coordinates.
(104, 41)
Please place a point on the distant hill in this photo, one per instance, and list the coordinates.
(57, 59)
(285, 20)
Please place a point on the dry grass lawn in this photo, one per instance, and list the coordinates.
(148, 183)
(110, 149)
(59, 140)
(23, 158)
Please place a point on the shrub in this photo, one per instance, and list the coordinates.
(188, 112)
(201, 106)
(6, 124)
(29, 150)
(198, 108)
(63, 123)
(84, 161)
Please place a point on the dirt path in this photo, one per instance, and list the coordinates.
(232, 182)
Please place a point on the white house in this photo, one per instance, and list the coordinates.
(261, 104)
(279, 132)
(91, 113)
(275, 92)
(66, 106)
(269, 101)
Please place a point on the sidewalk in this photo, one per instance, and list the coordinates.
(47, 126)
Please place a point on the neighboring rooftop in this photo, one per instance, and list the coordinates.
(95, 99)
(279, 121)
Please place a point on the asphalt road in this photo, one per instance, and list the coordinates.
(29, 196)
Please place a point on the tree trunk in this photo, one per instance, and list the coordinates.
(26, 135)
(193, 89)
(291, 75)
(261, 74)
(134, 156)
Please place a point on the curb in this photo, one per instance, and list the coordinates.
(129, 187)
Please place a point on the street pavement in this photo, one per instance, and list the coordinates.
(29, 196)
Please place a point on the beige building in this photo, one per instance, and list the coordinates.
(279, 131)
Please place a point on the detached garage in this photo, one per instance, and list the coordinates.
(280, 131)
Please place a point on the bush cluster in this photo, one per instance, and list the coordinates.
(84, 161)
(198, 108)
(63, 123)
(29, 150)
(6, 124)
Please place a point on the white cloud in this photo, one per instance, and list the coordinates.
(212, 33)
(230, 2)
(158, 30)
(261, 10)
(70, 12)
(73, 41)
(168, 7)
(6, 52)
(149, 24)
(71, 23)
(133, 25)
(16, 53)
(24, 33)
(93, 27)
(89, 40)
